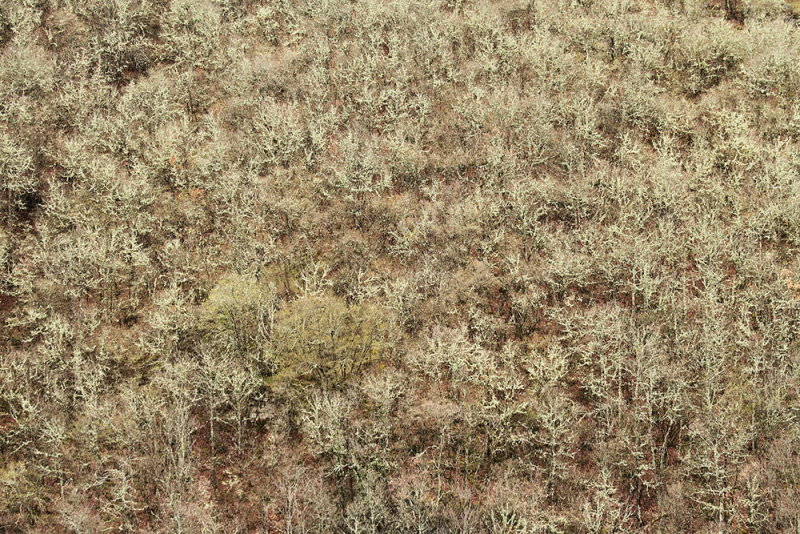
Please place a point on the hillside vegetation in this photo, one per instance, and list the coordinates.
(401, 266)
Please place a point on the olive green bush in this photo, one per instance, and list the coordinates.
(239, 312)
(321, 338)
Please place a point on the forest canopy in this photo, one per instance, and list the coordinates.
(401, 266)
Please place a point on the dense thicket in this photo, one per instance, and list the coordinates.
(399, 266)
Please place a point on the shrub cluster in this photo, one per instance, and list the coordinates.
(447, 266)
